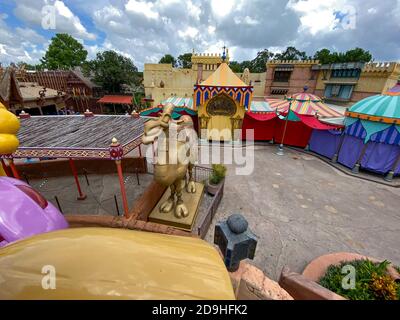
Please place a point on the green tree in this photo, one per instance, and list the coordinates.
(111, 70)
(357, 55)
(236, 66)
(185, 61)
(64, 52)
(291, 53)
(168, 59)
(325, 56)
(258, 64)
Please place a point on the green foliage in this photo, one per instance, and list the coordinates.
(235, 66)
(218, 173)
(168, 59)
(291, 53)
(371, 283)
(325, 56)
(64, 52)
(259, 63)
(111, 70)
(28, 66)
(185, 61)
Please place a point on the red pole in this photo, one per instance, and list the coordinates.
(14, 170)
(81, 196)
(5, 168)
(122, 186)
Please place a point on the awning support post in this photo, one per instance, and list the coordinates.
(81, 195)
(14, 169)
(116, 154)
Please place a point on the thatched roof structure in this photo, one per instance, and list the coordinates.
(77, 136)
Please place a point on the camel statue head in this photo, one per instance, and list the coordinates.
(153, 128)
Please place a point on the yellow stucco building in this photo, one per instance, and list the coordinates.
(163, 81)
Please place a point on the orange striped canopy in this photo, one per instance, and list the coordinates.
(304, 103)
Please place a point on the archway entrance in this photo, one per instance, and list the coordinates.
(220, 110)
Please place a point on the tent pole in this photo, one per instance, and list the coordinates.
(140, 150)
(14, 169)
(356, 168)
(336, 155)
(389, 176)
(280, 148)
(81, 196)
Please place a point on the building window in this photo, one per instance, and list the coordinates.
(342, 92)
(282, 76)
(346, 73)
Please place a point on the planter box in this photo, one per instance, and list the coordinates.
(213, 188)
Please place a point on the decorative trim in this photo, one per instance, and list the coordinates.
(371, 118)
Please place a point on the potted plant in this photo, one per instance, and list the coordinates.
(216, 179)
(373, 279)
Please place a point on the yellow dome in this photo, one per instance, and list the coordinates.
(103, 263)
(8, 143)
(9, 123)
(9, 126)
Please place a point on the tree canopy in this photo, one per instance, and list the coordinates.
(168, 59)
(325, 56)
(111, 70)
(291, 53)
(64, 52)
(185, 60)
(258, 64)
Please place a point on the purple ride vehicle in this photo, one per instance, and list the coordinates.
(24, 212)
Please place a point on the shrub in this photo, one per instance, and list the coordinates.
(218, 173)
(372, 281)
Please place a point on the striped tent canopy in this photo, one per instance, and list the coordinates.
(179, 102)
(183, 106)
(375, 132)
(304, 103)
(395, 91)
(260, 107)
(384, 108)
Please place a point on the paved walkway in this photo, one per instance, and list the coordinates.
(301, 208)
(100, 193)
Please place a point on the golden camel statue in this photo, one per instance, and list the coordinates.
(176, 155)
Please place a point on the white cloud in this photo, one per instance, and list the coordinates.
(189, 32)
(222, 8)
(142, 7)
(317, 16)
(65, 21)
(193, 10)
(247, 20)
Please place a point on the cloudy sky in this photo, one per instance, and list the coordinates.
(145, 30)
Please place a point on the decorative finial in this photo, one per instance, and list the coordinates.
(305, 88)
(114, 141)
(88, 113)
(224, 54)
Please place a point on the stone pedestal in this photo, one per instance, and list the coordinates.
(192, 202)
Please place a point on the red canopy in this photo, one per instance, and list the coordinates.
(262, 116)
(116, 99)
(268, 126)
(314, 123)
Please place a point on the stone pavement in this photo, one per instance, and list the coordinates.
(301, 208)
(100, 193)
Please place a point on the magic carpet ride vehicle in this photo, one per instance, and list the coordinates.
(105, 263)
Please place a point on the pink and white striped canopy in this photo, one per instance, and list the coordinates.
(304, 103)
